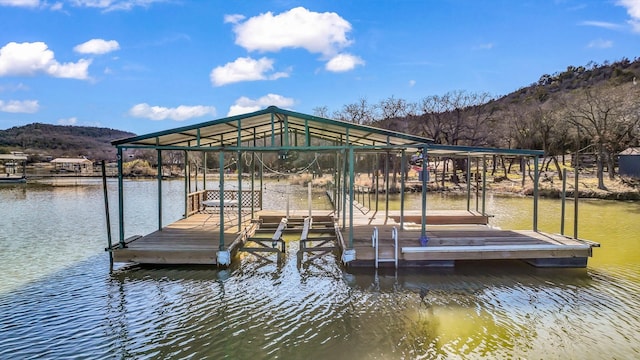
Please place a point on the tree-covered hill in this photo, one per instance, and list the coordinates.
(55, 140)
(576, 77)
(592, 109)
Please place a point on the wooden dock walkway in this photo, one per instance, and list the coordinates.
(448, 243)
(453, 235)
(194, 240)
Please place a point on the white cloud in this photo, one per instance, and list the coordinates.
(600, 44)
(244, 69)
(245, 105)
(97, 46)
(324, 33)
(412, 83)
(68, 121)
(20, 106)
(601, 24)
(20, 3)
(179, 113)
(343, 62)
(233, 18)
(113, 5)
(633, 9)
(32, 58)
(77, 70)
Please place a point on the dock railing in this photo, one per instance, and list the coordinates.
(250, 199)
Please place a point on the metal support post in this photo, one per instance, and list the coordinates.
(120, 198)
(108, 218)
(468, 182)
(536, 178)
(484, 184)
(423, 226)
(564, 199)
(159, 189)
(351, 180)
(403, 169)
(221, 191)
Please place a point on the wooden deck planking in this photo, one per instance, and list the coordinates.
(195, 240)
(480, 243)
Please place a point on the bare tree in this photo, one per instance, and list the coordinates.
(456, 118)
(321, 111)
(608, 117)
(360, 112)
(545, 124)
(392, 108)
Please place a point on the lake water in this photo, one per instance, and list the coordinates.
(58, 299)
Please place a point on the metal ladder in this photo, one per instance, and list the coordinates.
(375, 243)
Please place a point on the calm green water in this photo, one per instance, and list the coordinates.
(58, 300)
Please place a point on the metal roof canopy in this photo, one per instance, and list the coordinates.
(267, 124)
(271, 123)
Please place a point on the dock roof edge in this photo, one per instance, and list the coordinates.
(184, 134)
(405, 139)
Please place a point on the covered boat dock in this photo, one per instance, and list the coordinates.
(222, 221)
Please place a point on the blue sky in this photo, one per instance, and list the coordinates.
(150, 65)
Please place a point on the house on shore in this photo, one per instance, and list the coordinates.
(629, 162)
(75, 165)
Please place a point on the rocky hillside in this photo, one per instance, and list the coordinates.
(45, 140)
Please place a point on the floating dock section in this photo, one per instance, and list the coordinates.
(451, 236)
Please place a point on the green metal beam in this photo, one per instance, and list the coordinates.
(221, 187)
(423, 226)
(273, 130)
(351, 181)
(307, 135)
(239, 168)
(159, 189)
(536, 179)
(403, 169)
(120, 198)
(285, 131)
(186, 184)
(484, 185)
(386, 183)
(468, 182)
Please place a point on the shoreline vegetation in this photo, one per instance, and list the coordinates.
(550, 185)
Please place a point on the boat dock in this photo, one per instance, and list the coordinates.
(247, 217)
(453, 235)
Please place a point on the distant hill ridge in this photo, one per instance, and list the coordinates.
(58, 140)
(575, 77)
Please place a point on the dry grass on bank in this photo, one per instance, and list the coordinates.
(549, 186)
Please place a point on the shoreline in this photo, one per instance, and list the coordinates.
(617, 189)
